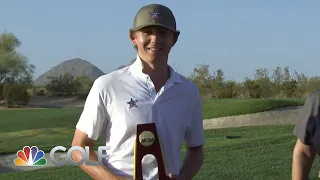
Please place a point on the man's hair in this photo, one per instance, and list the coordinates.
(132, 33)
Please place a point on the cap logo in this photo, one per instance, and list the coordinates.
(155, 14)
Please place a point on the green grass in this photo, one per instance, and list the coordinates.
(22, 120)
(214, 108)
(50, 127)
(42, 127)
(263, 152)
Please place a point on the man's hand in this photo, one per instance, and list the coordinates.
(177, 177)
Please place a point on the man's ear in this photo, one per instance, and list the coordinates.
(132, 36)
(175, 38)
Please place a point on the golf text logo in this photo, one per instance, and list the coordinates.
(84, 153)
(30, 157)
(35, 157)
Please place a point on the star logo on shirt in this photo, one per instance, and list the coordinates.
(155, 15)
(132, 103)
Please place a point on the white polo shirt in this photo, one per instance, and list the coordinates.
(120, 100)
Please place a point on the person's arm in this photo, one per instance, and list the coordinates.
(194, 142)
(307, 137)
(93, 120)
(96, 172)
(303, 157)
(192, 162)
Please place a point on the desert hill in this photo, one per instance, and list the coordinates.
(77, 67)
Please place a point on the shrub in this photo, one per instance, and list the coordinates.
(15, 94)
(1, 90)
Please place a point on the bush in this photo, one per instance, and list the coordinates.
(1, 90)
(82, 95)
(40, 93)
(15, 94)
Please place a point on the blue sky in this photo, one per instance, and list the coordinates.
(253, 34)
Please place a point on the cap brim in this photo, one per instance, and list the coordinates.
(157, 25)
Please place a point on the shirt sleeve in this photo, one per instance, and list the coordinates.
(306, 126)
(93, 118)
(195, 133)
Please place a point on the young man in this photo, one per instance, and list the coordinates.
(308, 132)
(147, 91)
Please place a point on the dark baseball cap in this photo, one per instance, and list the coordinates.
(155, 15)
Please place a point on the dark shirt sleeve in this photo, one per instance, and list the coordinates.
(307, 126)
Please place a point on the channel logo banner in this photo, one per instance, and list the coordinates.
(30, 156)
(33, 156)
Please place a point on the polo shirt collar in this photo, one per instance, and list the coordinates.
(136, 70)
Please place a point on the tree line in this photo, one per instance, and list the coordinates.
(279, 83)
(16, 80)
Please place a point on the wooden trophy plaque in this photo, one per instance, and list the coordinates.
(147, 142)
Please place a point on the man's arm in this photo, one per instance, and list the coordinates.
(91, 124)
(303, 156)
(194, 141)
(192, 162)
(96, 172)
(307, 134)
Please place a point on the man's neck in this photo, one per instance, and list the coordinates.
(158, 72)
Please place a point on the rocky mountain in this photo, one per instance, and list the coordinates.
(77, 67)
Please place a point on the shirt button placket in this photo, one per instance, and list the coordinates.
(151, 89)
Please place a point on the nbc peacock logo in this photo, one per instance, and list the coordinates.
(30, 157)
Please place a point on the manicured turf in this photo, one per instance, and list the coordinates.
(51, 127)
(262, 153)
(28, 119)
(45, 128)
(214, 108)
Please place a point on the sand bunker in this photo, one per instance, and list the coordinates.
(287, 115)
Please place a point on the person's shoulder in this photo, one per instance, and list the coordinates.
(111, 78)
(313, 98)
(189, 85)
(315, 94)
(312, 101)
